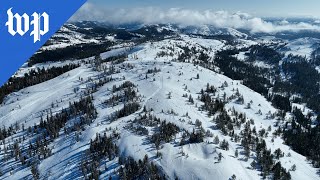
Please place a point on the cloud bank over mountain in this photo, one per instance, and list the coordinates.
(187, 17)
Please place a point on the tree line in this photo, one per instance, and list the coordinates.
(35, 76)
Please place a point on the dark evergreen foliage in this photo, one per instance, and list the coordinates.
(252, 76)
(79, 51)
(32, 78)
(265, 54)
(164, 133)
(101, 147)
(128, 109)
(141, 170)
(196, 136)
(305, 141)
(125, 93)
(281, 102)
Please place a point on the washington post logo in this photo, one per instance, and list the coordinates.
(18, 24)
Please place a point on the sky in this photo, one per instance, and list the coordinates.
(237, 14)
(266, 8)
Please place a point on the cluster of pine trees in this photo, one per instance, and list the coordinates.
(143, 169)
(153, 71)
(264, 53)
(211, 105)
(251, 140)
(145, 119)
(105, 147)
(116, 59)
(100, 148)
(124, 85)
(267, 164)
(303, 138)
(253, 77)
(48, 130)
(127, 109)
(196, 136)
(7, 132)
(127, 95)
(266, 161)
(96, 85)
(281, 102)
(124, 93)
(187, 53)
(301, 78)
(32, 78)
(164, 133)
(79, 51)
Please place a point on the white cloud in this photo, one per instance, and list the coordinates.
(187, 17)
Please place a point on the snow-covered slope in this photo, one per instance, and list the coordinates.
(161, 92)
(67, 37)
(302, 47)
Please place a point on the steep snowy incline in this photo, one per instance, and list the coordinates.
(163, 90)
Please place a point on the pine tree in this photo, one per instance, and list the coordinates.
(219, 157)
(233, 177)
(216, 140)
(253, 164)
(35, 172)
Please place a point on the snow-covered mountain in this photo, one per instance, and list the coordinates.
(159, 94)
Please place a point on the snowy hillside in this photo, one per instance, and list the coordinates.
(153, 101)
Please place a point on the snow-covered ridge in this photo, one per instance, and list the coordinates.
(174, 79)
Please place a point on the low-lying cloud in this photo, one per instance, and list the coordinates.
(187, 17)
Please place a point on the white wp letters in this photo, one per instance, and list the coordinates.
(40, 23)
